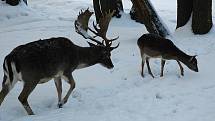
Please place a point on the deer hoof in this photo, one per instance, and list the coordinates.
(118, 16)
(182, 73)
(31, 113)
(60, 105)
(142, 75)
(152, 75)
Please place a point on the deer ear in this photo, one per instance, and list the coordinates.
(91, 44)
(192, 57)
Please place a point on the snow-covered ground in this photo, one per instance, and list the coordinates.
(120, 94)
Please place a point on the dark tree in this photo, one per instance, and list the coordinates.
(202, 16)
(14, 2)
(134, 15)
(102, 6)
(184, 10)
(143, 12)
(201, 11)
(96, 6)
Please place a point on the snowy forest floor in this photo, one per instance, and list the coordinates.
(120, 94)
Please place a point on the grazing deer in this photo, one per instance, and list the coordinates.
(40, 61)
(154, 46)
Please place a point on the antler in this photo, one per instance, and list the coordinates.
(103, 27)
(81, 26)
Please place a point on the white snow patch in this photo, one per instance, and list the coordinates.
(120, 94)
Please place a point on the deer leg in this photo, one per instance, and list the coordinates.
(142, 65)
(58, 84)
(5, 89)
(162, 66)
(69, 79)
(23, 97)
(181, 68)
(148, 66)
(3, 94)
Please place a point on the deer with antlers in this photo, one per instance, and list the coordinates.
(56, 58)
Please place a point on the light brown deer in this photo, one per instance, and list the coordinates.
(154, 46)
(40, 61)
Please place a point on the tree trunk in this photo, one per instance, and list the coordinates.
(162, 30)
(134, 15)
(13, 2)
(184, 10)
(201, 11)
(96, 6)
(103, 6)
(202, 16)
(145, 13)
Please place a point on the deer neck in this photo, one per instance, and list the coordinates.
(183, 57)
(87, 56)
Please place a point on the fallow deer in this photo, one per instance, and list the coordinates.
(154, 46)
(40, 61)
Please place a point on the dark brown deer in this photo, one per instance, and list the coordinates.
(154, 46)
(40, 61)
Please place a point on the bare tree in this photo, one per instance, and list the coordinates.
(199, 10)
(14, 2)
(144, 12)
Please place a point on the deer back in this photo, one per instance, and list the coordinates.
(156, 46)
(44, 58)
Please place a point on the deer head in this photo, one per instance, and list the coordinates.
(192, 63)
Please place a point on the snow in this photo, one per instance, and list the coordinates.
(120, 94)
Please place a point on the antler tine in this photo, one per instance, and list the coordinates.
(114, 39)
(81, 25)
(112, 48)
(84, 34)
